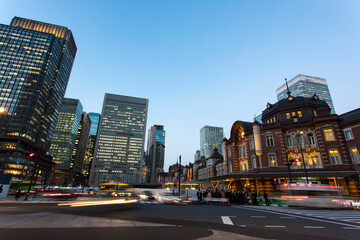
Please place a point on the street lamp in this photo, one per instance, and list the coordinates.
(302, 154)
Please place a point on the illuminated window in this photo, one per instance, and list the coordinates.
(272, 159)
(354, 153)
(288, 116)
(334, 156)
(329, 134)
(299, 114)
(314, 160)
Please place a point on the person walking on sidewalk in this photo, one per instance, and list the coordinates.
(17, 194)
(266, 198)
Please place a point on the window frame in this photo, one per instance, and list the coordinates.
(337, 159)
(328, 134)
(275, 159)
(355, 157)
(349, 130)
(253, 160)
(269, 137)
(251, 143)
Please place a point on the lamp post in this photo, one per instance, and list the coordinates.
(302, 154)
(179, 173)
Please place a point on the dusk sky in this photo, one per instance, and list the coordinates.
(203, 62)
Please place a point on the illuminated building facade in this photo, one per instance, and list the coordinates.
(79, 152)
(120, 144)
(90, 150)
(210, 138)
(35, 64)
(63, 142)
(155, 158)
(306, 86)
(257, 155)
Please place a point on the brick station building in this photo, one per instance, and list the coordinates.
(256, 154)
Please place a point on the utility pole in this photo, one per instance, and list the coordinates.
(302, 154)
(179, 173)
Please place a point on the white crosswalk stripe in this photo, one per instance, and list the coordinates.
(347, 216)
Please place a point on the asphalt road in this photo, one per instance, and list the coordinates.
(156, 221)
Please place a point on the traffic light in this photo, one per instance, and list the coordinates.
(275, 181)
(31, 154)
(27, 173)
(292, 160)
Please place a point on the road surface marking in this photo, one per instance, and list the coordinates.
(351, 228)
(314, 227)
(226, 220)
(258, 216)
(288, 217)
(242, 226)
(274, 226)
(298, 216)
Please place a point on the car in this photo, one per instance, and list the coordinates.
(146, 195)
(61, 194)
(171, 198)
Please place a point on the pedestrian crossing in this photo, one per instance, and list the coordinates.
(348, 216)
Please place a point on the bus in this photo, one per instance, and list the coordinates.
(15, 184)
(311, 195)
(116, 190)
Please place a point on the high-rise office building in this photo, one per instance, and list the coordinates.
(35, 64)
(210, 138)
(306, 86)
(63, 142)
(120, 144)
(95, 119)
(79, 151)
(155, 158)
(90, 150)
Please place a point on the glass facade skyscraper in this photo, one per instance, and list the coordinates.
(79, 151)
(120, 144)
(210, 137)
(306, 86)
(36, 61)
(63, 142)
(90, 150)
(155, 159)
(95, 119)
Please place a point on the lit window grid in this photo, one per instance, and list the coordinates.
(30, 62)
(121, 135)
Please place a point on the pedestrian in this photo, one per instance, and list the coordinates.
(253, 196)
(199, 196)
(266, 198)
(17, 194)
